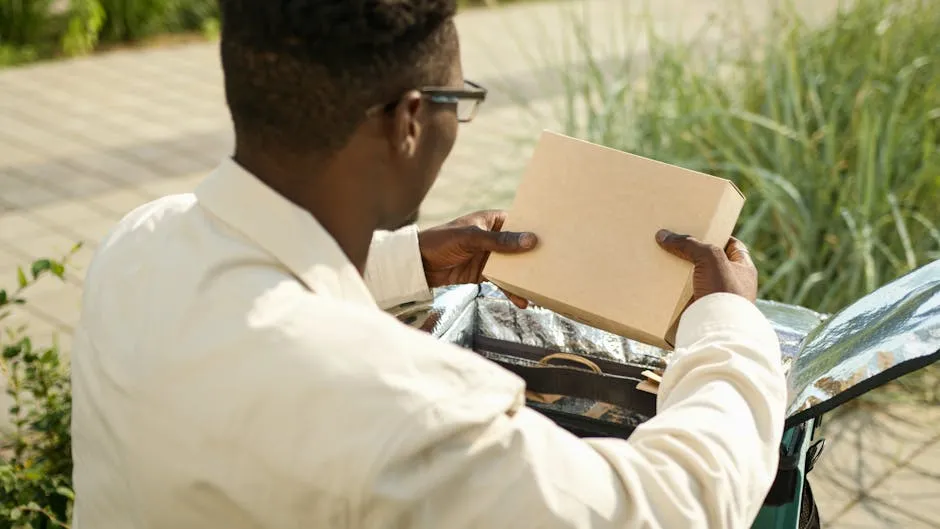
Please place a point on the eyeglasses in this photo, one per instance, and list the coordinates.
(467, 99)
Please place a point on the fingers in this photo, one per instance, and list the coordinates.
(522, 303)
(500, 241)
(683, 246)
(487, 219)
(738, 253)
(494, 219)
(516, 300)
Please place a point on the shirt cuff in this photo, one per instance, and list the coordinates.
(723, 312)
(394, 272)
(723, 336)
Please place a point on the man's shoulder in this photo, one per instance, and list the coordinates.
(155, 210)
(139, 224)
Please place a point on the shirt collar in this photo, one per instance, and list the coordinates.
(287, 232)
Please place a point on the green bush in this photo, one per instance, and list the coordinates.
(35, 457)
(24, 22)
(832, 132)
(31, 29)
(132, 20)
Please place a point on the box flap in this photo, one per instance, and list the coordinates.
(887, 334)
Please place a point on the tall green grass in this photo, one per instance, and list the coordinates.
(831, 130)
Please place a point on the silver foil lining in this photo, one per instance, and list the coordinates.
(823, 357)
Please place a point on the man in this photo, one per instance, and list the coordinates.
(233, 367)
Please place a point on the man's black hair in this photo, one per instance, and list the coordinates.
(301, 74)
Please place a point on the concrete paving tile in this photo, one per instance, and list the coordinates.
(18, 224)
(44, 244)
(109, 135)
(10, 181)
(143, 128)
(180, 163)
(152, 153)
(110, 166)
(928, 460)
(872, 514)
(172, 186)
(913, 491)
(121, 201)
(93, 231)
(55, 171)
(33, 136)
(192, 180)
(45, 116)
(60, 180)
(211, 146)
(9, 260)
(865, 441)
(833, 492)
(13, 154)
(30, 196)
(865, 445)
(81, 185)
(66, 213)
(59, 300)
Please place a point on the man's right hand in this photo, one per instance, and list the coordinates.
(729, 270)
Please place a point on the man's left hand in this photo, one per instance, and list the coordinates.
(455, 253)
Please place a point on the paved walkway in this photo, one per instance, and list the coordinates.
(82, 142)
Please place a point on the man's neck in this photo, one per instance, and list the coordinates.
(335, 201)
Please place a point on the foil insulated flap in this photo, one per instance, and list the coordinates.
(886, 334)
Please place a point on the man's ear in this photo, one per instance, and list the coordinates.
(405, 126)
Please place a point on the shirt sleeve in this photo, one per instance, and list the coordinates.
(706, 460)
(394, 272)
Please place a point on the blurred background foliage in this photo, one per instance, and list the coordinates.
(31, 30)
(38, 29)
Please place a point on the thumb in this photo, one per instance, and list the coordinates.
(682, 246)
(501, 241)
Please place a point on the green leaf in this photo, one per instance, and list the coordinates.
(3, 297)
(67, 492)
(15, 514)
(11, 351)
(41, 266)
(49, 355)
(21, 277)
(57, 269)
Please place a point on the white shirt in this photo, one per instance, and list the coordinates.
(233, 370)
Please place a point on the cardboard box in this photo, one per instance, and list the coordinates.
(596, 211)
